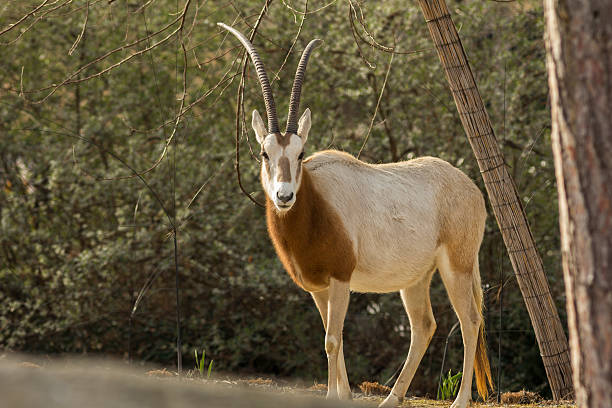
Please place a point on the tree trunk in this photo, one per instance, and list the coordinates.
(579, 59)
(504, 198)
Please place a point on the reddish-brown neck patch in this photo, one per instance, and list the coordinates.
(311, 240)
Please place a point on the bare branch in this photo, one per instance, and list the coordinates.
(382, 90)
(297, 35)
(306, 12)
(22, 19)
(80, 36)
(241, 17)
(71, 78)
(139, 9)
(372, 42)
(65, 3)
(225, 79)
(206, 183)
(355, 34)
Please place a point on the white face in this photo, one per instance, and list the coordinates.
(282, 155)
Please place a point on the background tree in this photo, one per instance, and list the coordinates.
(504, 199)
(580, 77)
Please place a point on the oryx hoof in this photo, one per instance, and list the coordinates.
(391, 401)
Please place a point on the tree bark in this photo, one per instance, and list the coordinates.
(504, 198)
(579, 60)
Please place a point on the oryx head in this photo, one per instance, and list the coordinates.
(282, 153)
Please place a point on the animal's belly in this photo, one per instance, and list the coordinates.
(385, 281)
(394, 267)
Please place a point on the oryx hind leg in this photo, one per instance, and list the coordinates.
(422, 327)
(459, 282)
(344, 389)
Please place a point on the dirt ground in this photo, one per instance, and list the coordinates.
(373, 396)
(28, 382)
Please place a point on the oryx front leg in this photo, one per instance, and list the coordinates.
(344, 389)
(337, 305)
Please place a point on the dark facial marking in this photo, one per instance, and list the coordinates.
(283, 140)
(284, 170)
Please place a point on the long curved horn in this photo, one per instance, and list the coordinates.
(263, 78)
(294, 102)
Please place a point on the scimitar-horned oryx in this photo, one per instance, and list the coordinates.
(340, 225)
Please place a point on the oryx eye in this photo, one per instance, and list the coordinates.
(265, 155)
(301, 156)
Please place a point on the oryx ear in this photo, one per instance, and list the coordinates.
(259, 127)
(304, 125)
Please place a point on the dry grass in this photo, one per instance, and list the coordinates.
(374, 388)
(520, 397)
(260, 381)
(373, 393)
(318, 388)
(160, 373)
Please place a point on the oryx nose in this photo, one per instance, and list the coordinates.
(284, 197)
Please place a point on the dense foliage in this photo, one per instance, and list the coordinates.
(79, 240)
